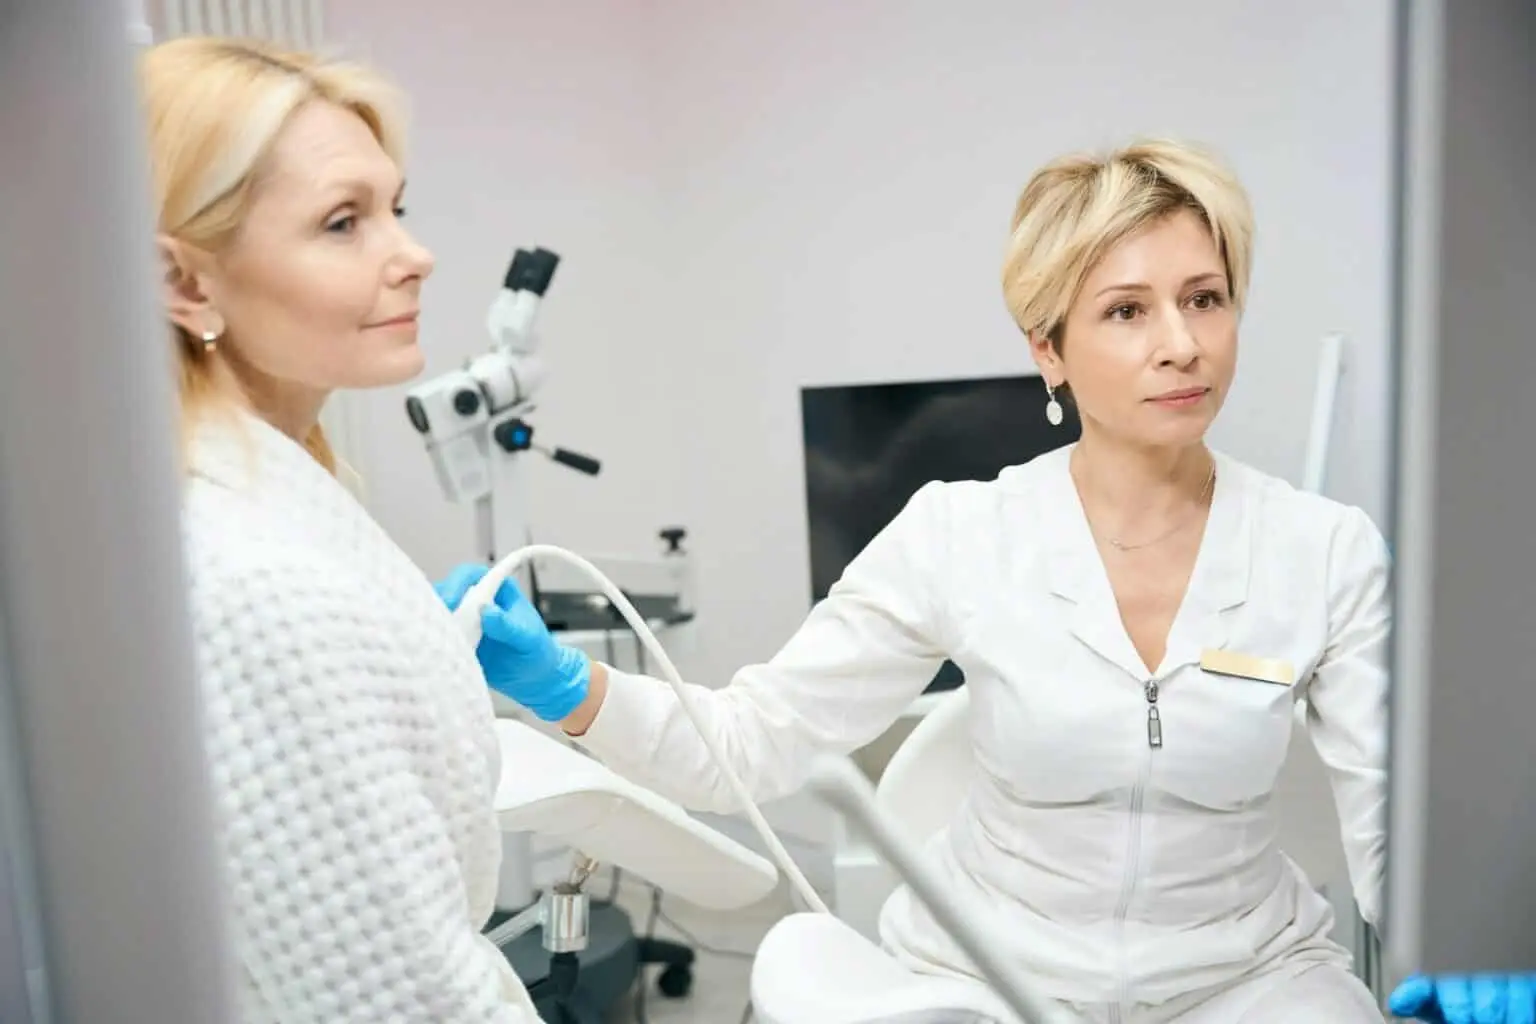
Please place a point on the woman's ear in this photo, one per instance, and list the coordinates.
(1046, 358)
(184, 288)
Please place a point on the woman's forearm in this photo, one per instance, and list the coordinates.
(580, 720)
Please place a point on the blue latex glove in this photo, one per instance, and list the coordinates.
(519, 657)
(1467, 999)
(456, 584)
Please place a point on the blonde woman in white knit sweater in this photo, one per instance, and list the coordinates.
(349, 724)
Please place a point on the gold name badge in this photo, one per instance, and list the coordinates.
(1246, 666)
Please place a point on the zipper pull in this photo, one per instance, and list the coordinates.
(1154, 719)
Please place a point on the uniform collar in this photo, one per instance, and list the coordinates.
(1219, 584)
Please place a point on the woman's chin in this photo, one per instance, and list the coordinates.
(392, 368)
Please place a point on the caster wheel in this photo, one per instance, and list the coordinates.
(676, 981)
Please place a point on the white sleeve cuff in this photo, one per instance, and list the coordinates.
(627, 721)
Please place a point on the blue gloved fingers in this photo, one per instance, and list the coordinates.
(1521, 997)
(499, 627)
(509, 594)
(456, 584)
(1478, 999)
(518, 627)
(1413, 998)
(1488, 998)
(1455, 995)
(522, 661)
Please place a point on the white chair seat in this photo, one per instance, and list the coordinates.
(814, 969)
(563, 795)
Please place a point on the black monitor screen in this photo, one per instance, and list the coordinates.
(869, 447)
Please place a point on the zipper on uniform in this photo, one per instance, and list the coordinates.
(1128, 888)
(1154, 718)
(1119, 1008)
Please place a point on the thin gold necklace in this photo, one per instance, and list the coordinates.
(1210, 480)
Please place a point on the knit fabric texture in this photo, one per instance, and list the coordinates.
(354, 760)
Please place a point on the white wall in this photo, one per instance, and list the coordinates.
(532, 124)
(756, 197)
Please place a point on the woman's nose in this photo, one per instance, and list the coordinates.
(414, 260)
(1178, 344)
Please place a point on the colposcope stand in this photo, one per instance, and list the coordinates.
(552, 937)
(592, 940)
(474, 421)
(545, 937)
(564, 917)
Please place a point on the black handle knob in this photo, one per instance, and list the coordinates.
(577, 461)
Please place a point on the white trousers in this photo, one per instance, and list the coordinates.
(1325, 993)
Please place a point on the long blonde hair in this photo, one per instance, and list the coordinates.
(215, 107)
(1077, 207)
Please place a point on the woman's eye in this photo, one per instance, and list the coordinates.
(1125, 311)
(399, 212)
(1205, 300)
(342, 225)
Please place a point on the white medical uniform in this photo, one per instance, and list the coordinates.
(353, 751)
(1132, 882)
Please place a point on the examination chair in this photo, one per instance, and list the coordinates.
(819, 969)
(579, 956)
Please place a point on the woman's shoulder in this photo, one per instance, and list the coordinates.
(1280, 498)
(1293, 522)
(228, 535)
(968, 511)
(1041, 475)
(275, 620)
(966, 506)
(1034, 493)
(253, 579)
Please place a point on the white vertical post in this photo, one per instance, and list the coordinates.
(1350, 929)
(1330, 368)
(297, 22)
(315, 23)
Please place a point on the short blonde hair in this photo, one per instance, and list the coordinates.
(1077, 207)
(215, 107)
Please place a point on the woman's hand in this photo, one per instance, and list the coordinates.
(519, 657)
(1475, 999)
(456, 584)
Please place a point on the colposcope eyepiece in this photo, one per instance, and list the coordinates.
(531, 271)
(456, 394)
(418, 414)
(466, 402)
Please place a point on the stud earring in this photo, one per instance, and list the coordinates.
(1053, 413)
(210, 340)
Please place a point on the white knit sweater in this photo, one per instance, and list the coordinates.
(353, 754)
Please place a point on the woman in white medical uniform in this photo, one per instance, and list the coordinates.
(1136, 616)
(349, 728)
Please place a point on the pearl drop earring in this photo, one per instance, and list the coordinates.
(210, 339)
(1053, 412)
